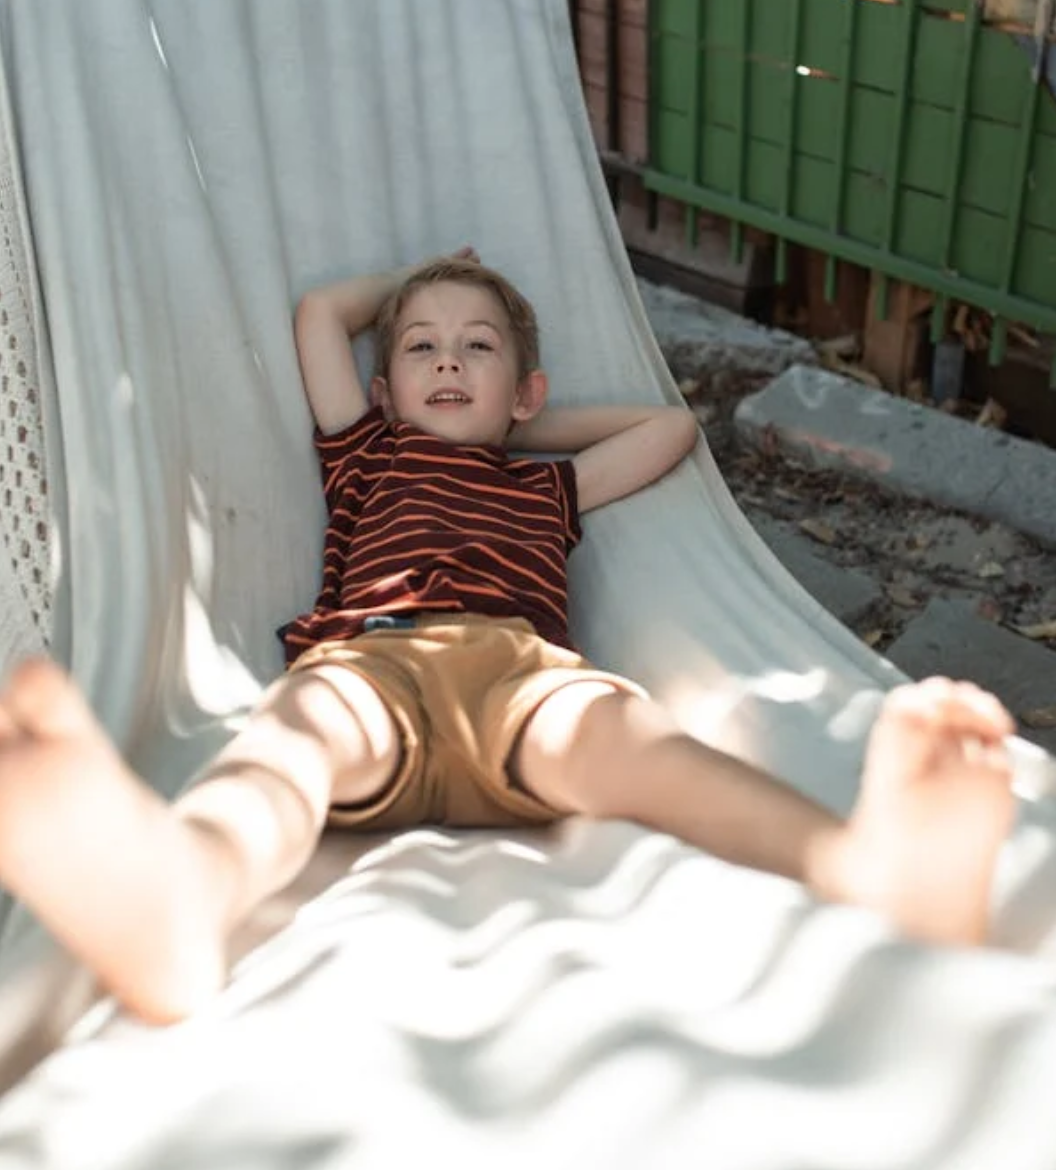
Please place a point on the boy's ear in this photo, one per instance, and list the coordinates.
(531, 396)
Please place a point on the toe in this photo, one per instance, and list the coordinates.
(962, 707)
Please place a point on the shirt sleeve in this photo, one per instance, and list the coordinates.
(568, 498)
(339, 453)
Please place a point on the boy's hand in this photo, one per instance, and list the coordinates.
(468, 252)
(325, 320)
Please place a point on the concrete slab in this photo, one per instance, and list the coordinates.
(845, 593)
(830, 421)
(949, 638)
(696, 335)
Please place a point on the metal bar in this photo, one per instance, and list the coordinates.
(1021, 180)
(842, 141)
(831, 275)
(781, 261)
(652, 50)
(961, 288)
(846, 98)
(939, 313)
(742, 126)
(696, 116)
(795, 16)
(612, 88)
(612, 71)
(910, 22)
(998, 341)
(961, 115)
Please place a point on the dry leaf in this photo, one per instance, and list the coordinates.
(1024, 337)
(819, 530)
(992, 415)
(901, 597)
(689, 387)
(841, 347)
(1037, 633)
(873, 638)
(916, 390)
(849, 370)
(990, 569)
(1039, 718)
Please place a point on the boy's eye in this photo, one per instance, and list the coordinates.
(480, 343)
(419, 346)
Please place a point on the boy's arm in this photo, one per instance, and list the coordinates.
(618, 449)
(326, 320)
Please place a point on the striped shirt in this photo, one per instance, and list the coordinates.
(420, 524)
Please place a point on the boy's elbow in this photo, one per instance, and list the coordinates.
(311, 305)
(687, 431)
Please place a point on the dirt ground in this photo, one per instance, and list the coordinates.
(913, 550)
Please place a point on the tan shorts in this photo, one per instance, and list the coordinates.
(460, 688)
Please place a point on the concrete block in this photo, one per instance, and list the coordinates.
(830, 421)
(846, 593)
(949, 638)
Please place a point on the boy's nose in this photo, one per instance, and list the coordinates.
(446, 361)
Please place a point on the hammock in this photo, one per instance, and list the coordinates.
(598, 995)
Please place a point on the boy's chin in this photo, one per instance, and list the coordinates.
(455, 430)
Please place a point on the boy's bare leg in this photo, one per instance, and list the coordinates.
(920, 847)
(146, 893)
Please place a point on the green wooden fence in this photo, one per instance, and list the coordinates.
(910, 138)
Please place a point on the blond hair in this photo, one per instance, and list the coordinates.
(520, 316)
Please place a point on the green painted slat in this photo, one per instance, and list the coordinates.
(672, 63)
(877, 46)
(979, 245)
(1025, 153)
(670, 16)
(1040, 208)
(999, 61)
(768, 99)
(818, 117)
(771, 25)
(743, 125)
(823, 22)
(936, 66)
(723, 25)
(1047, 116)
(893, 148)
(873, 121)
(1035, 272)
(719, 159)
(989, 164)
(696, 110)
(960, 132)
(929, 148)
(896, 145)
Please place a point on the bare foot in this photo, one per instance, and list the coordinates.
(935, 806)
(98, 856)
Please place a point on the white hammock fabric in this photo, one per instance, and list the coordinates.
(599, 996)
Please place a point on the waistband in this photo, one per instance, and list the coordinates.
(420, 619)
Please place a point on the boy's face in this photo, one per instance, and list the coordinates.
(454, 367)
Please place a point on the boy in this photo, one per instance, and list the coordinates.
(434, 680)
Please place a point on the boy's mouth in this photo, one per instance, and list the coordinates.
(448, 398)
